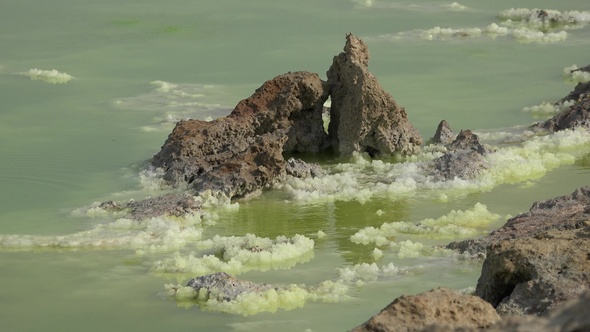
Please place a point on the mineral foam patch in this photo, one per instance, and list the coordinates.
(241, 254)
(455, 224)
(50, 76)
(154, 235)
(576, 76)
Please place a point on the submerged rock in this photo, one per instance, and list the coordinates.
(363, 117)
(224, 287)
(437, 308)
(243, 151)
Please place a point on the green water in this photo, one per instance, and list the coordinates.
(66, 146)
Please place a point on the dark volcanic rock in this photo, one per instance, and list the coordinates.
(444, 308)
(363, 117)
(224, 287)
(284, 115)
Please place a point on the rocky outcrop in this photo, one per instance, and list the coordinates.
(224, 287)
(442, 307)
(464, 158)
(538, 260)
(536, 275)
(363, 117)
(243, 151)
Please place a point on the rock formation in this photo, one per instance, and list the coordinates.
(243, 152)
(538, 260)
(224, 287)
(363, 117)
(536, 275)
(441, 307)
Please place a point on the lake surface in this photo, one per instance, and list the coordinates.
(90, 91)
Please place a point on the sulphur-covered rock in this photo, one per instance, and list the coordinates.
(442, 307)
(363, 117)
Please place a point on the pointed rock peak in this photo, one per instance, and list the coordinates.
(444, 134)
(356, 50)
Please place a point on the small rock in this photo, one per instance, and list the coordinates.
(225, 287)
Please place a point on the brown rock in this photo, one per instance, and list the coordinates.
(442, 307)
(363, 117)
(243, 151)
(536, 275)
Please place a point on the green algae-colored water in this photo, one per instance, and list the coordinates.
(138, 67)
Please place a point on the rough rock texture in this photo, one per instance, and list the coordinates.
(539, 259)
(300, 169)
(225, 287)
(577, 115)
(284, 115)
(363, 117)
(536, 275)
(573, 317)
(443, 135)
(464, 158)
(443, 307)
(170, 204)
(561, 213)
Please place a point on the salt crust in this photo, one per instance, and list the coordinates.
(241, 254)
(524, 25)
(362, 179)
(576, 76)
(546, 109)
(50, 76)
(455, 224)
